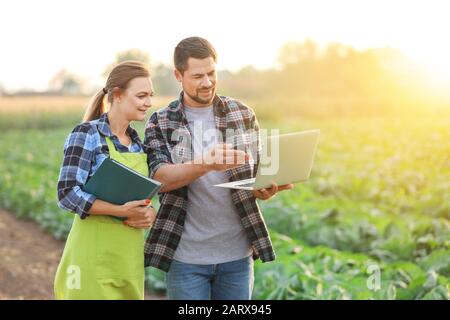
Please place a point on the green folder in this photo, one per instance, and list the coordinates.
(116, 183)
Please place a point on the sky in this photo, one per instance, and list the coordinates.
(38, 38)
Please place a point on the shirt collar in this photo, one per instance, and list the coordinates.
(105, 129)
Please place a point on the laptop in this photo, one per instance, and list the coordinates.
(293, 164)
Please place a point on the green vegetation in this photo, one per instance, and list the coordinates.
(378, 196)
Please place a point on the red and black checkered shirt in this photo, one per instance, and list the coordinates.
(164, 145)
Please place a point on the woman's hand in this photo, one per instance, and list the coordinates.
(133, 209)
(140, 215)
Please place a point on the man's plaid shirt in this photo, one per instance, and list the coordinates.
(165, 143)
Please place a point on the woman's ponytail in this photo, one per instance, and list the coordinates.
(96, 107)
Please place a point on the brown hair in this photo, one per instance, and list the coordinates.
(193, 47)
(119, 77)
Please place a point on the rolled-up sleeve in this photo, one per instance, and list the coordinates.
(155, 146)
(79, 151)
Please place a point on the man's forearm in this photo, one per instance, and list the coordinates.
(174, 176)
(221, 157)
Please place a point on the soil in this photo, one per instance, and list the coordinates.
(28, 260)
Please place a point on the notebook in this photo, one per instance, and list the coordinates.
(116, 183)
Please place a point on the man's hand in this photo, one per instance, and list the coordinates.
(219, 158)
(223, 157)
(267, 193)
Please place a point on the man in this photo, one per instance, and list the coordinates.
(205, 237)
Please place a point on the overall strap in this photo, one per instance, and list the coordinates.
(111, 147)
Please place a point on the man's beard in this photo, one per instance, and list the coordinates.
(197, 98)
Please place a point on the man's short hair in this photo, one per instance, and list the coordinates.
(193, 47)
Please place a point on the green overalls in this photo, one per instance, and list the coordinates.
(103, 258)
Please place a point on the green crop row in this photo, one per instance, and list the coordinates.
(378, 196)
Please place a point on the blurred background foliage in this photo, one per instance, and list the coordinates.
(378, 194)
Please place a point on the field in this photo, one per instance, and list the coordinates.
(373, 222)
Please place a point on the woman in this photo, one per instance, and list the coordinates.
(104, 257)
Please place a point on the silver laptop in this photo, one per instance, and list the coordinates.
(293, 164)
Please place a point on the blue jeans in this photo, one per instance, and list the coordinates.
(224, 281)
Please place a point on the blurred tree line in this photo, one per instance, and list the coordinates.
(335, 80)
(308, 80)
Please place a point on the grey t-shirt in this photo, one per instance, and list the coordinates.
(213, 231)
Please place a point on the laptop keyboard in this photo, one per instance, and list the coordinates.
(246, 185)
